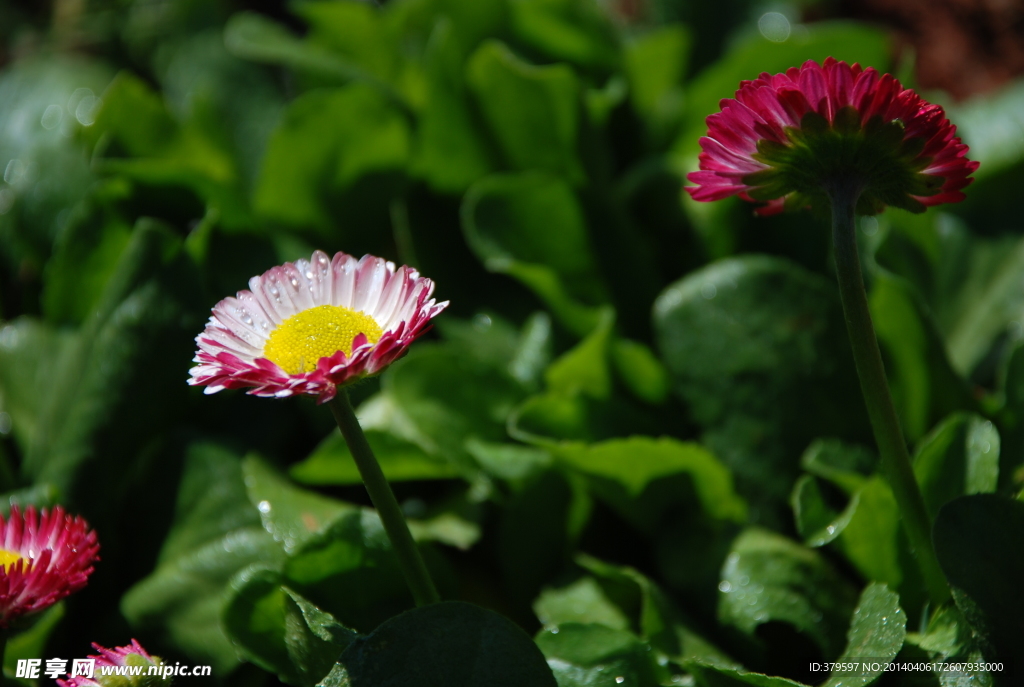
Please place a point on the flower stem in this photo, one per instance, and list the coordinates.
(884, 421)
(409, 559)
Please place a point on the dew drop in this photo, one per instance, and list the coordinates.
(725, 586)
(264, 506)
(619, 680)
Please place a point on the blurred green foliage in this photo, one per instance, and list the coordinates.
(636, 431)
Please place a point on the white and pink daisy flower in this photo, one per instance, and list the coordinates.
(784, 137)
(131, 655)
(43, 558)
(310, 327)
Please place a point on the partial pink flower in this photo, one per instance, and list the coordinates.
(44, 558)
(785, 137)
(131, 655)
(309, 327)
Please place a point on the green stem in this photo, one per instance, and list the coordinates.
(409, 559)
(884, 421)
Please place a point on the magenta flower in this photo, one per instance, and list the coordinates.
(786, 138)
(131, 655)
(42, 560)
(310, 327)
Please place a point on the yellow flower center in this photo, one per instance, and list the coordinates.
(298, 343)
(9, 558)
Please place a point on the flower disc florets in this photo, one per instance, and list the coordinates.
(790, 138)
(133, 656)
(43, 558)
(309, 327)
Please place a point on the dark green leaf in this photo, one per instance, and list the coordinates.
(533, 112)
(959, 457)
(770, 578)
(401, 460)
(979, 541)
(817, 521)
(450, 644)
(598, 656)
(877, 631)
(720, 676)
(583, 601)
(567, 30)
(531, 226)
(758, 349)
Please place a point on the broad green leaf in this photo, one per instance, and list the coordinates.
(979, 541)
(924, 386)
(641, 371)
(549, 418)
(351, 553)
(216, 533)
(623, 469)
(356, 31)
(720, 676)
(31, 643)
(589, 655)
(531, 226)
(845, 465)
(989, 126)
(757, 348)
(871, 538)
(532, 112)
(254, 37)
(28, 349)
(583, 601)
(949, 637)
(449, 397)
(770, 578)
(877, 631)
(451, 150)
(817, 520)
(650, 613)
(959, 457)
(655, 64)
(509, 461)
(280, 631)
(136, 136)
(585, 369)
(401, 460)
(567, 30)
(332, 148)
(450, 644)
(291, 515)
(92, 417)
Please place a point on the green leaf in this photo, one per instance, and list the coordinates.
(291, 515)
(979, 541)
(877, 632)
(27, 351)
(448, 397)
(351, 553)
(959, 457)
(451, 149)
(641, 371)
(924, 386)
(532, 112)
(254, 37)
(770, 578)
(846, 465)
(584, 369)
(531, 226)
(719, 676)
(817, 521)
(655, 65)
(450, 644)
(983, 124)
(401, 460)
(949, 637)
(597, 656)
(757, 347)
(280, 631)
(332, 148)
(31, 643)
(567, 30)
(92, 417)
(583, 601)
(623, 470)
(216, 533)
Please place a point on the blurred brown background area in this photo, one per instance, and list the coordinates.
(965, 47)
